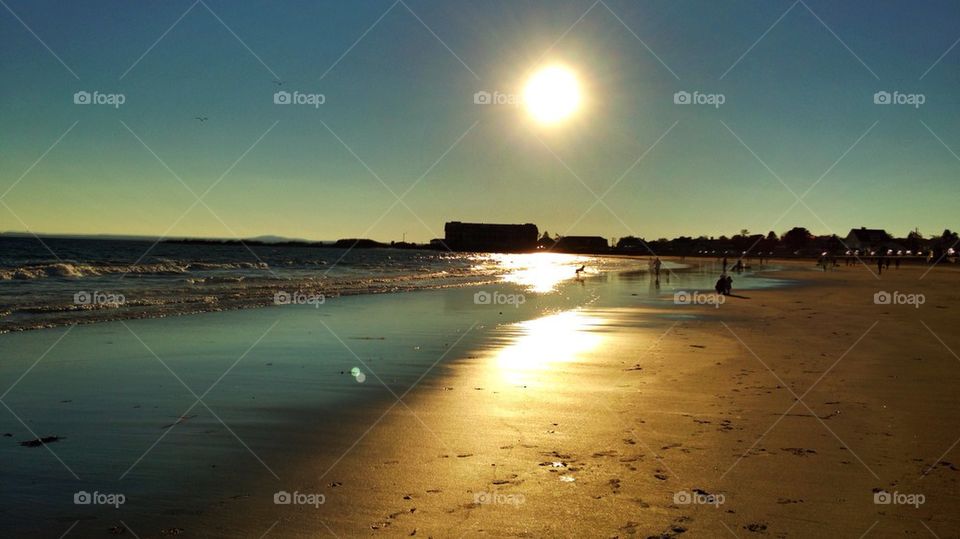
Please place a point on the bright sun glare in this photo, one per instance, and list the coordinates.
(552, 94)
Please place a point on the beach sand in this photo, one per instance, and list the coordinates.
(783, 414)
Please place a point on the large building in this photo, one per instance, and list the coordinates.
(490, 237)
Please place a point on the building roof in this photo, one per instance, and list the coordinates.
(869, 235)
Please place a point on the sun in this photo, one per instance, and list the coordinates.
(552, 94)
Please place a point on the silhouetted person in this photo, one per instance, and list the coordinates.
(896, 263)
(721, 286)
(656, 267)
(724, 264)
(880, 265)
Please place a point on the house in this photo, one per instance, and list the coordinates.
(632, 243)
(866, 239)
(490, 237)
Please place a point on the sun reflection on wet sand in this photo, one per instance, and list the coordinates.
(539, 345)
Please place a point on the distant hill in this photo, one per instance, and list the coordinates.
(121, 237)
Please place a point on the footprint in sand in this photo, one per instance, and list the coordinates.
(799, 451)
(675, 529)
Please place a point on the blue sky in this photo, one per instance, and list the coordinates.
(798, 86)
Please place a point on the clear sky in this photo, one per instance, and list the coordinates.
(398, 79)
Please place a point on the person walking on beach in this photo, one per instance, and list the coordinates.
(880, 265)
(724, 264)
(656, 266)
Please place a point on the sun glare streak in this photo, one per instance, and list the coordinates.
(538, 272)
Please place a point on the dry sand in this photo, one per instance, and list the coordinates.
(782, 414)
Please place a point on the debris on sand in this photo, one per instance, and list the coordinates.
(181, 419)
(41, 441)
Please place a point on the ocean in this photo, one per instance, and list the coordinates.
(68, 281)
(187, 416)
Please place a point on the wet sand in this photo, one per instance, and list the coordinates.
(786, 413)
